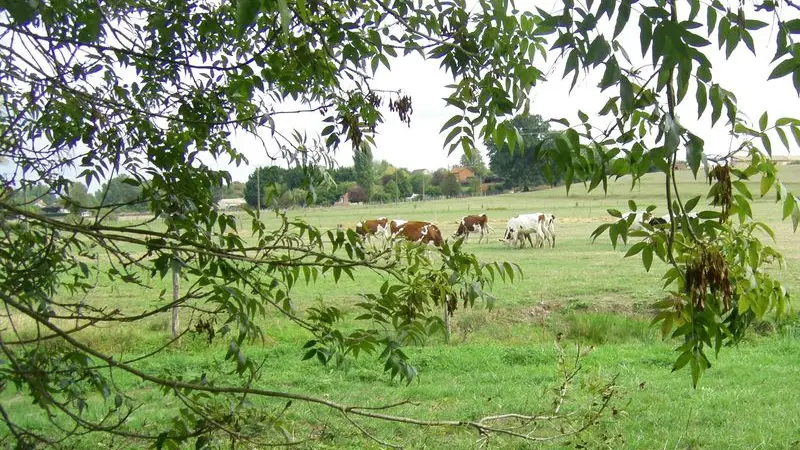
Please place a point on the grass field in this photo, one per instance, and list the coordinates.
(502, 359)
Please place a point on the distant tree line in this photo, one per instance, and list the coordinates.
(121, 192)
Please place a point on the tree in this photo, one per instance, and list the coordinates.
(524, 167)
(403, 179)
(78, 197)
(438, 176)
(392, 193)
(420, 180)
(343, 174)
(475, 163)
(233, 190)
(270, 176)
(716, 291)
(156, 90)
(363, 169)
(357, 194)
(450, 186)
(124, 192)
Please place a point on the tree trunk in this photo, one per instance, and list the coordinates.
(176, 289)
(446, 323)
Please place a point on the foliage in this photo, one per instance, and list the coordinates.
(122, 192)
(524, 167)
(232, 190)
(420, 181)
(391, 191)
(438, 176)
(363, 169)
(27, 195)
(144, 94)
(280, 187)
(450, 186)
(357, 194)
(475, 163)
(717, 263)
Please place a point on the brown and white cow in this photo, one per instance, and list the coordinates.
(421, 232)
(394, 226)
(373, 227)
(474, 224)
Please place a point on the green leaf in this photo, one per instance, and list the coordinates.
(716, 103)
(623, 14)
(762, 122)
(691, 203)
(454, 120)
(286, 16)
(784, 68)
(702, 99)
(766, 183)
(788, 206)
(246, 13)
(636, 248)
(647, 258)
(645, 33)
(614, 213)
(796, 134)
(711, 19)
(682, 360)
(626, 93)
(783, 138)
(743, 189)
(751, 24)
(767, 143)
(694, 153)
(732, 41)
(21, 11)
(792, 26)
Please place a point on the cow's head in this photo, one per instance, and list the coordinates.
(510, 235)
(462, 228)
(361, 229)
(434, 235)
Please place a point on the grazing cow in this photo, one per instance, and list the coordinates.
(523, 226)
(373, 227)
(394, 226)
(549, 229)
(474, 224)
(421, 232)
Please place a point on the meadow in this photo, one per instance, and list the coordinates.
(503, 359)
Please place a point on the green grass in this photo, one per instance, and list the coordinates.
(503, 359)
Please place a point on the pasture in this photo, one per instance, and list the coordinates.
(503, 360)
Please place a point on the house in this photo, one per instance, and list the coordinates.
(463, 174)
(344, 200)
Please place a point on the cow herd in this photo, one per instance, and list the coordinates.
(538, 229)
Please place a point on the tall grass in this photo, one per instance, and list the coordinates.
(502, 359)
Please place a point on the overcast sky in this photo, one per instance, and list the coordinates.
(421, 145)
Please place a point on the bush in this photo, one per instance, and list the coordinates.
(357, 194)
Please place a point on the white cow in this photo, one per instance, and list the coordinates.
(641, 217)
(523, 226)
(549, 229)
